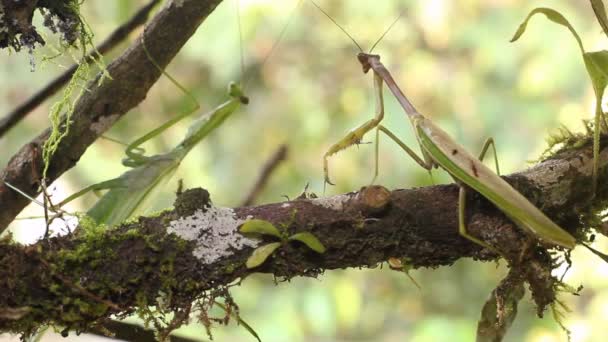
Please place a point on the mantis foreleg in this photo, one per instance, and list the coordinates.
(354, 136)
(134, 153)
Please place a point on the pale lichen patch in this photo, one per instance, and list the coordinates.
(178, 3)
(214, 231)
(548, 173)
(334, 202)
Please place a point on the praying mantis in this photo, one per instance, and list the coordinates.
(440, 150)
(127, 194)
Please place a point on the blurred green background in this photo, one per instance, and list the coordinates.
(452, 58)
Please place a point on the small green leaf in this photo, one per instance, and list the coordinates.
(596, 63)
(260, 227)
(600, 13)
(261, 253)
(555, 17)
(309, 240)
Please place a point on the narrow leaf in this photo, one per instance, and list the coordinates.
(309, 240)
(261, 253)
(600, 14)
(260, 227)
(555, 17)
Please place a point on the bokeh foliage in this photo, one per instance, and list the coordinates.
(452, 58)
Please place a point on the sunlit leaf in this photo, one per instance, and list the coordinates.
(261, 253)
(260, 227)
(555, 17)
(309, 240)
(600, 13)
(597, 67)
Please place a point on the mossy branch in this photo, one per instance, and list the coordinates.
(102, 105)
(195, 252)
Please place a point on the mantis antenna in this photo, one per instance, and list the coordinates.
(385, 32)
(339, 26)
(351, 37)
(249, 76)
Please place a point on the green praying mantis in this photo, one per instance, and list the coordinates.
(440, 150)
(127, 193)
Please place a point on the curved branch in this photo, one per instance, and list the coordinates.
(99, 108)
(119, 34)
(195, 250)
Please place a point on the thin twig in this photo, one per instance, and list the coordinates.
(277, 157)
(19, 113)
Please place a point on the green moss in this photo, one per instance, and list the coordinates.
(76, 87)
(230, 268)
(191, 200)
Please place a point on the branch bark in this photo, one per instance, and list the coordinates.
(195, 252)
(98, 109)
(119, 34)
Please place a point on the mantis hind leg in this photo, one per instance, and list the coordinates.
(490, 142)
(462, 227)
(105, 185)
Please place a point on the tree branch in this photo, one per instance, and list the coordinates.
(99, 108)
(121, 32)
(195, 252)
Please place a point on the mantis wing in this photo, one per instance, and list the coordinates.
(132, 190)
(470, 171)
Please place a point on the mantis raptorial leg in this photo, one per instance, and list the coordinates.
(356, 134)
(440, 150)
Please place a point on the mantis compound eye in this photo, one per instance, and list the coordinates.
(364, 60)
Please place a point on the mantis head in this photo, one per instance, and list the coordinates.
(365, 60)
(234, 90)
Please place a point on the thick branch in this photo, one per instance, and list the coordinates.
(98, 109)
(119, 34)
(177, 256)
